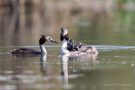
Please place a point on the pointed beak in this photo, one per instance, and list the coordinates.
(50, 39)
(54, 41)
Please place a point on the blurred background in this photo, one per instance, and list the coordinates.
(97, 22)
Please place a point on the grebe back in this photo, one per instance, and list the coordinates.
(74, 49)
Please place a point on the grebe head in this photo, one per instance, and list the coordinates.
(64, 34)
(42, 40)
(45, 38)
(64, 31)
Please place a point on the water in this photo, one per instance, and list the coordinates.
(112, 69)
(110, 30)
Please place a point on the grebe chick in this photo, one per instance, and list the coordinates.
(74, 49)
(27, 51)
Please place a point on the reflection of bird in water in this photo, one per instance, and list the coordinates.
(64, 69)
(71, 48)
(27, 51)
(43, 64)
(68, 65)
(88, 62)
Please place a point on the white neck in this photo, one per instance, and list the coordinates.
(64, 44)
(43, 50)
(64, 47)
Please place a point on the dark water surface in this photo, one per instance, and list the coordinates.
(112, 69)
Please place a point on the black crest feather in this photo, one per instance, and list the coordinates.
(42, 40)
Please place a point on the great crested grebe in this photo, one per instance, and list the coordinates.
(69, 47)
(28, 51)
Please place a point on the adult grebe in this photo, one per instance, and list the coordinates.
(71, 48)
(28, 51)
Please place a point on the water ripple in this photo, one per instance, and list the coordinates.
(112, 47)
